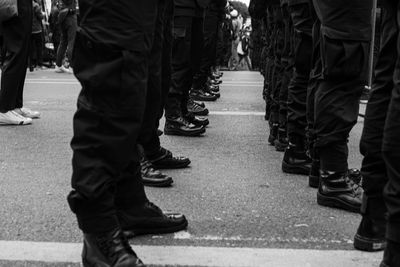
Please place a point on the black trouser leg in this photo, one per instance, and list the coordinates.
(186, 52)
(391, 152)
(276, 72)
(166, 55)
(68, 30)
(312, 87)
(36, 49)
(373, 166)
(209, 51)
(149, 138)
(107, 123)
(16, 35)
(345, 65)
(287, 68)
(297, 94)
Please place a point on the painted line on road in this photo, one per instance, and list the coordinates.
(237, 113)
(185, 235)
(72, 82)
(52, 82)
(195, 256)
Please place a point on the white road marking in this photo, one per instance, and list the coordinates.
(196, 256)
(185, 235)
(237, 113)
(74, 81)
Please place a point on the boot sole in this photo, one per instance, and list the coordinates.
(144, 231)
(166, 183)
(313, 181)
(368, 244)
(180, 133)
(287, 168)
(336, 203)
(204, 99)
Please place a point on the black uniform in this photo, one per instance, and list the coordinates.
(16, 35)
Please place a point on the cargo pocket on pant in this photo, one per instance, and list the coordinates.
(344, 59)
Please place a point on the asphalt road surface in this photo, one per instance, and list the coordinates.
(242, 210)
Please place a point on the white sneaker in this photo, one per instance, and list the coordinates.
(13, 118)
(62, 69)
(28, 113)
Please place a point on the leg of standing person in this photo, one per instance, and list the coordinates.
(345, 42)
(108, 193)
(281, 141)
(371, 231)
(391, 156)
(316, 72)
(200, 91)
(32, 53)
(16, 35)
(40, 47)
(181, 79)
(67, 28)
(153, 155)
(71, 24)
(295, 159)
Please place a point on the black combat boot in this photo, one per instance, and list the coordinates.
(273, 133)
(338, 190)
(281, 142)
(198, 121)
(180, 126)
(109, 249)
(153, 177)
(150, 219)
(164, 159)
(212, 90)
(370, 234)
(391, 256)
(197, 108)
(296, 160)
(201, 95)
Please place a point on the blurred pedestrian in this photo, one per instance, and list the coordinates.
(16, 34)
(36, 50)
(243, 49)
(68, 23)
(236, 27)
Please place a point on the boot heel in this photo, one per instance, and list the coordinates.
(313, 181)
(366, 244)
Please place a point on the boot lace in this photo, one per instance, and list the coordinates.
(354, 179)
